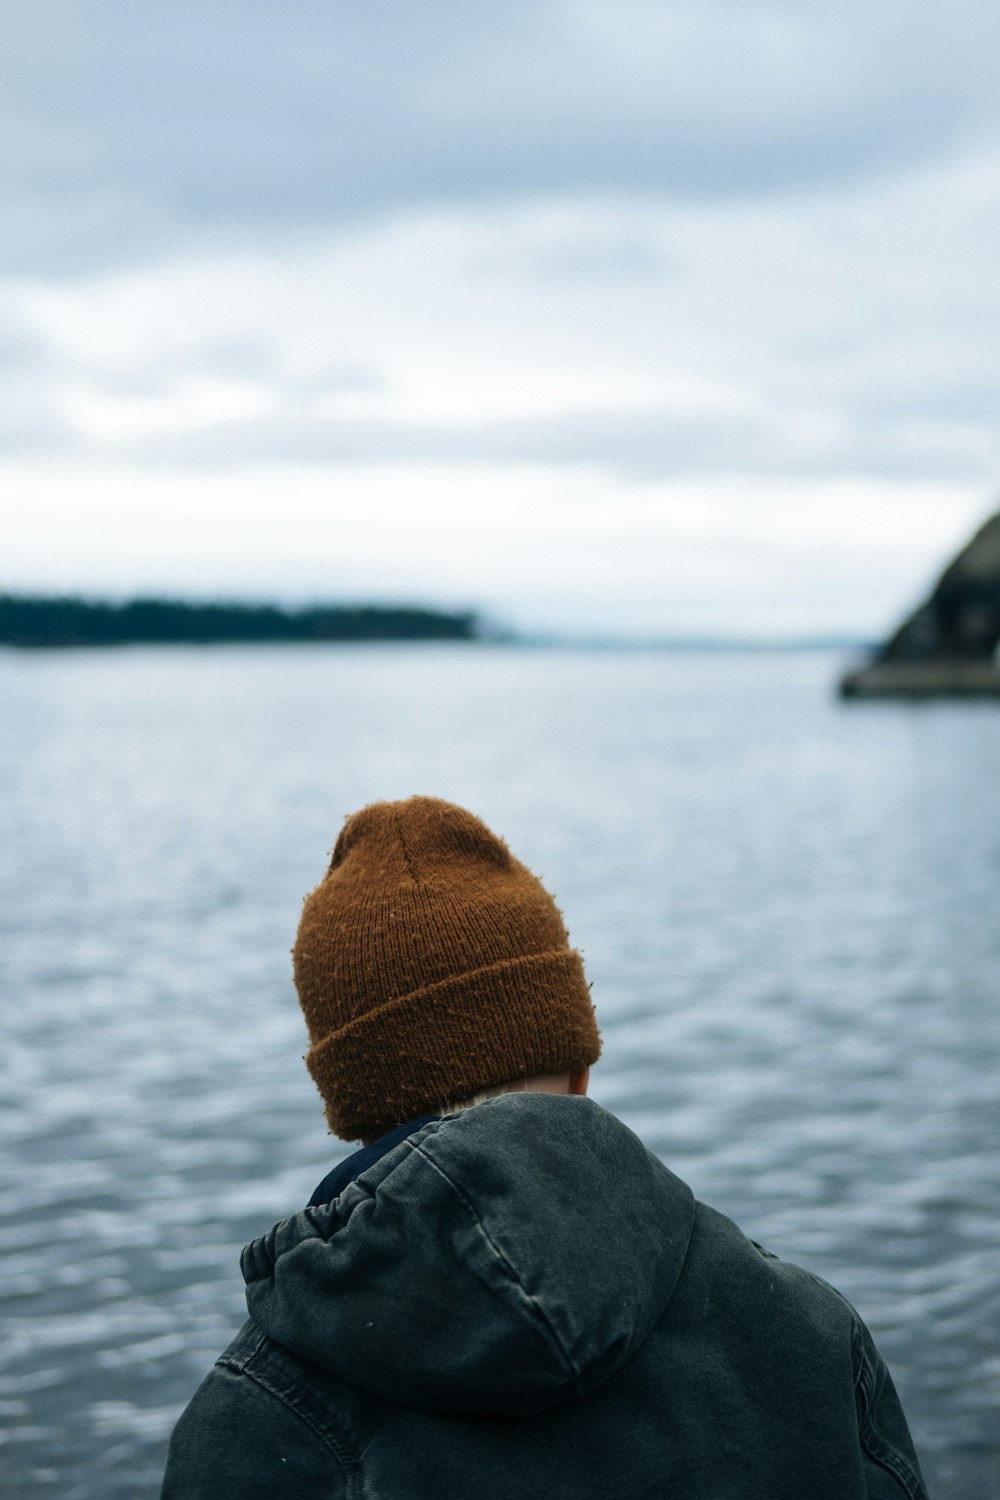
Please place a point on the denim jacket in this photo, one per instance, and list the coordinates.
(521, 1300)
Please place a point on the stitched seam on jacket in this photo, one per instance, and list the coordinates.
(299, 1408)
(881, 1452)
(238, 1364)
(543, 1315)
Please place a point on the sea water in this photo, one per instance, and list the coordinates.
(789, 909)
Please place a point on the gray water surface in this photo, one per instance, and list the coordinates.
(788, 909)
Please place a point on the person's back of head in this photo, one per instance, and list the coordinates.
(434, 969)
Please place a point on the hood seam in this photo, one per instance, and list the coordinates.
(505, 1262)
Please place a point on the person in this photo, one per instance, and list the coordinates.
(503, 1293)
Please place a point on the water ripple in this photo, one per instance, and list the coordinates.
(788, 911)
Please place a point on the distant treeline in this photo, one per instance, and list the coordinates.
(34, 621)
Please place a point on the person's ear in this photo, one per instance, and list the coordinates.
(578, 1080)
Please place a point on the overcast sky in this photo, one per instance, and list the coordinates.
(607, 315)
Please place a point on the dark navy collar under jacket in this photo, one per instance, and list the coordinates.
(351, 1167)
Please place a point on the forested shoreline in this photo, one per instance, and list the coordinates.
(36, 621)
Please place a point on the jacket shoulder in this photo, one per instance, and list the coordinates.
(803, 1336)
(258, 1427)
(891, 1462)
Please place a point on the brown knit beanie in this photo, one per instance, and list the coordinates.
(430, 964)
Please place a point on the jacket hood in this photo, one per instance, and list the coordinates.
(501, 1260)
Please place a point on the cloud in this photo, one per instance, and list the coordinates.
(196, 433)
(29, 422)
(500, 299)
(135, 131)
(761, 338)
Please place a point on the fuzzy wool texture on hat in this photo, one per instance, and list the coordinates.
(431, 964)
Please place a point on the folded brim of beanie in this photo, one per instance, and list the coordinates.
(521, 1018)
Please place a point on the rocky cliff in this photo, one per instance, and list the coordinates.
(949, 645)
